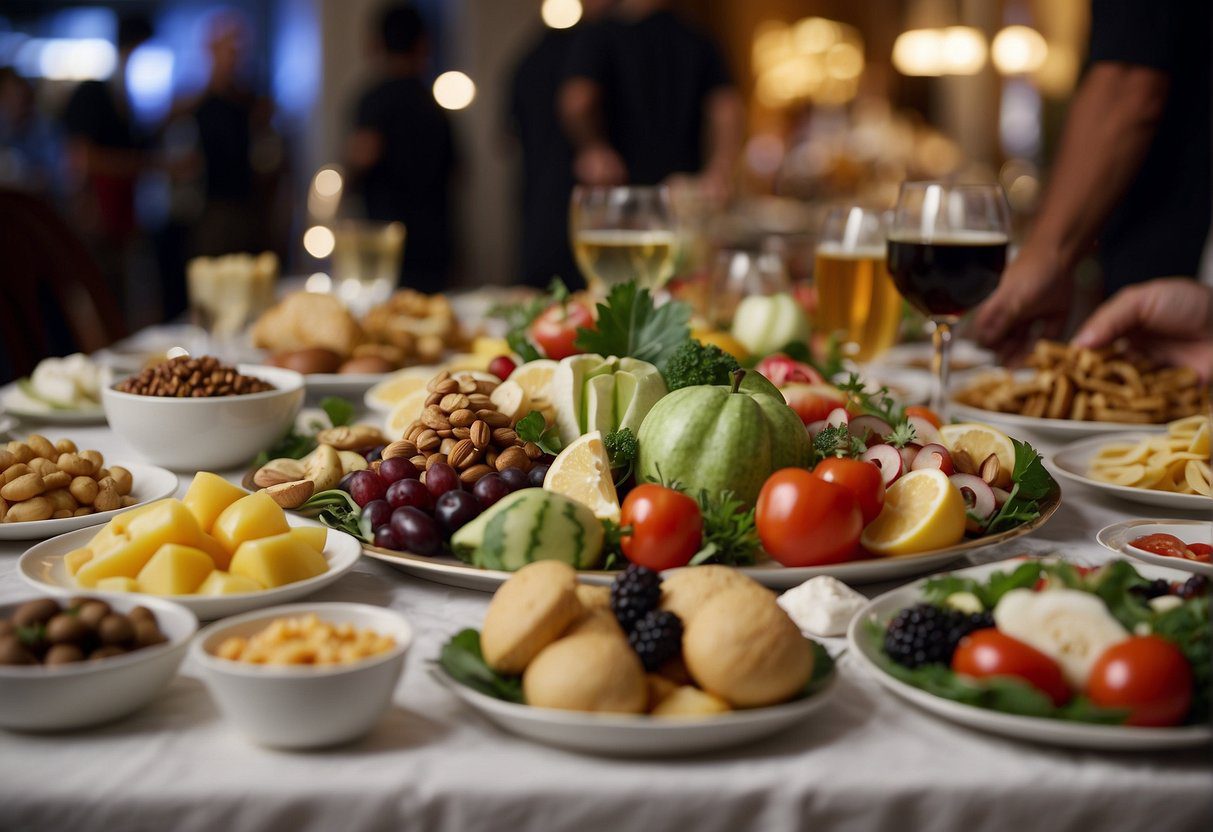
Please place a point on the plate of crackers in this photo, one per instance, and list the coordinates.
(1068, 391)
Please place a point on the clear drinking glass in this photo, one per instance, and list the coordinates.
(856, 299)
(947, 247)
(740, 273)
(622, 234)
(366, 262)
(226, 294)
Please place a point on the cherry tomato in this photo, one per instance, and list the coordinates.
(812, 402)
(782, 369)
(861, 478)
(502, 366)
(991, 653)
(556, 329)
(667, 528)
(1202, 552)
(924, 412)
(1148, 675)
(1167, 545)
(804, 520)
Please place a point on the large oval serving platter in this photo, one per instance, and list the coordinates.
(1073, 463)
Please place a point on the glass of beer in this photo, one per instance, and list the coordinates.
(366, 262)
(947, 250)
(622, 234)
(856, 299)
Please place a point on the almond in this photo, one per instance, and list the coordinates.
(452, 402)
(292, 494)
(473, 474)
(401, 447)
(513, 458)
(428, 441)
(463, 454)
(462, 418)
(480, 434)
(434, 418)
(278, 471)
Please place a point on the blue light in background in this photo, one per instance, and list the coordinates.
(296, 58)
(93, 22)
(149, 81)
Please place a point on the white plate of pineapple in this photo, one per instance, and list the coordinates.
(219, 551)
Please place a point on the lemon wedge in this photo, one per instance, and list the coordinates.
(582, 472)
(979, 441)
(922, 511)
(388, 393)
(405, 412)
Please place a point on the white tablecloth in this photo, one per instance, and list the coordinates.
(866, 762)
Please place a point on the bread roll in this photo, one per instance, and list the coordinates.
(528, 612)
(684, 592)
(590, 671)
(688, 701)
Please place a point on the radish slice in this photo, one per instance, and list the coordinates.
(978, 496)
(838, 418)
(865, 427)
(908, 454)
(924, 432)
(1001, 495)
(934, 456)
(887, 459)
(816, 427)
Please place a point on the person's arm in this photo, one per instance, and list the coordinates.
(580, 107)
(1111, 124)
(725, 130)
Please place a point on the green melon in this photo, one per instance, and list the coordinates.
(530, 525)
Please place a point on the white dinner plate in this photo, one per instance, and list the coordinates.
(42, 567)
(1119, 536)
(148, 484)
(1050, 428)
(636, 735)
(13, 401)
(966, 356)
(1073, 462)
(7, 423)
(1034, 729)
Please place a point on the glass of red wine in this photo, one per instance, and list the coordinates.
(947, 250)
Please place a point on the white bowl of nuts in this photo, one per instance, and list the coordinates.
(304, 675)
(192, 414)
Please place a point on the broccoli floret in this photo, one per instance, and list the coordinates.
(622, 448)
(695, 363)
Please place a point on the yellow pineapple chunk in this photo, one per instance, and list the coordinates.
(208, 495)
(118, 584)
(249, 518)
(220, 555)
(76, 558)
(225, 583)
(175, 570)
(314, 536)
(114, 533)
(136, 540)
(278, 560)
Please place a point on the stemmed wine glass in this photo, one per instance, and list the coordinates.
(621, 234)
(947, 250)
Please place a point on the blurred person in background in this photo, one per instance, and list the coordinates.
(401, 154)
(28, 144)
(547, 155)
(106, 153)
(1132, 172)
(648, 97)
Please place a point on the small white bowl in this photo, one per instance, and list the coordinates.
(213, 433)
(299, 707)
(90, 692)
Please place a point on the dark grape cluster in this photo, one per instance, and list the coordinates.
(634, 593)
(419, 511)
(656, 638)
(1194, 587)
(1154, 589)
(927, 634)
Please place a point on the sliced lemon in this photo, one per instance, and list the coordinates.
(387, 394)
(979, 441)
(535, 377)
(404, 413)
(582, 472)
(922, 511)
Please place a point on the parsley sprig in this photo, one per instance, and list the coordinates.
(630, 324)
(534, 428)
(879, 403)
(518, 318)
(730, 535)
(1031, 483)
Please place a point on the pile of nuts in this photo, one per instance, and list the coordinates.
(184, 377)
(44, 481)
(43, 632)
(421, 326)
(292, 482)
(464, 425)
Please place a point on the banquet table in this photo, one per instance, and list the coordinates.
(866, 762)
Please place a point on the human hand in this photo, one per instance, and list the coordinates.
(599, 164)
(1169, 319)
(1032, 301)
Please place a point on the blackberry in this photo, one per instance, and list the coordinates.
(656, 638)
(927, 634)
(1194, 587)
(1154, 589)
(633, 594)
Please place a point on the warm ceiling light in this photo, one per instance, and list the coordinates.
(327, 182)
(964, 50)
(561, 14)
(814, 34)
(918, 52)
(319, 241)
(1019, 49)
(454, 90)
(844, 61)
(772, 45)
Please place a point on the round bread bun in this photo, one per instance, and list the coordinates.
(594, 596)
(590, 671)
(686, 591)
(690, 702)
(746, 650)
(528, 612)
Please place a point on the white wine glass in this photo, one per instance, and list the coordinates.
(621, 234)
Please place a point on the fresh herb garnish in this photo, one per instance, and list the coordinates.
(622, 448)
(612, 547)
(462, 658)
(730, 536)
(296, 444)
(694, 364)
(534, 428)
(337, 510)
(837, 441)
(1030, 484)
(630, 324)
(878, 403)
(936, 590)
(518, 318)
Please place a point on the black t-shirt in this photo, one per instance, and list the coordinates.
(1160, 226)
(224, 134)
(93, 113)
(410, 182)
(656, 74)
(547, 161)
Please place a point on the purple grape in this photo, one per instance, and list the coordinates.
(410, 493)
(374, 453)
(456, 508)
(490, 488)
(344, 482)
(537, 474)
(367, 486)
(416, 531)
(515, 478)
(377, 512)
(546, 459)
(441, 478)
(385, 538)
(397, 468)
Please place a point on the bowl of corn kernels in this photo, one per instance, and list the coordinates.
(304, 675)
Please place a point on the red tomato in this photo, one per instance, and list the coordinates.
(781, 370)
(1202, 552)
(556, 329)
(925, 413)
(1167, 545)
(991, 653)
(861, 478)
(812, 402)
(667, 528)
(1148, 675)
(806, 521)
